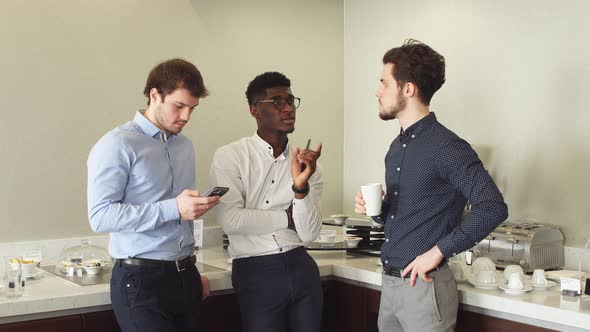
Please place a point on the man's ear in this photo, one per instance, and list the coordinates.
(154, 95)
(410, 90)
(254, 111)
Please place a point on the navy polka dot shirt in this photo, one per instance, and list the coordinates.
(430, 173)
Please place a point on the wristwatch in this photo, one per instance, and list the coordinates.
(305, 190)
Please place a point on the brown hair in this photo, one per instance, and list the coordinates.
(417, 63)
(175, 74)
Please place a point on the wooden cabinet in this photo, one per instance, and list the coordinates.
(373, 298)
(472, 321)
(101, 321)
(350, 307)
(344, 307)
(347, 308)
(63, 324)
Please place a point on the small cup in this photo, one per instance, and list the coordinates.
(486, 277)
(515, 281)
(539, 277)
(510, 269)
(482, 264)
(27, 268)
(373, 196)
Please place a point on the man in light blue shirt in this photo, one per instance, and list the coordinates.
(141, 189)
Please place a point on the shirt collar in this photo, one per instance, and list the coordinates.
(149, 128)
(267, 148)
(418, 127)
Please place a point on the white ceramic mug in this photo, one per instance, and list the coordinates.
(373, 196)
(486, 277)
(539, 277)
(515, 281)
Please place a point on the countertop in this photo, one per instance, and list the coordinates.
(50, 296)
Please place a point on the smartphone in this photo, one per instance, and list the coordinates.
(216, 191)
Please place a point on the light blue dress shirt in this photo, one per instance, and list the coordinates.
(134, 176)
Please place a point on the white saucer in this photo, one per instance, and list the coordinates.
(484, 286)
(542, 286)
(510, 291)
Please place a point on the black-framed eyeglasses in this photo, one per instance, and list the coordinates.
(281, 103)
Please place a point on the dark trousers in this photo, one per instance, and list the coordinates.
(279, 293)
(150, 299)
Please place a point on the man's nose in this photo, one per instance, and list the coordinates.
(288, 108)
(185, 114)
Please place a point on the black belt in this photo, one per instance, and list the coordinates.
(395, 272)
(178, 265)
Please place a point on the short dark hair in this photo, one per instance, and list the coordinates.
(175, 74)
(257, 87)
(417, 63)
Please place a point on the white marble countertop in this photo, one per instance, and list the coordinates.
(51, 296)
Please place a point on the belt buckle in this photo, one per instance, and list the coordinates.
(178, 267)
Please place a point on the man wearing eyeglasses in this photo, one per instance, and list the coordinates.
(270, 213)
(141, 190)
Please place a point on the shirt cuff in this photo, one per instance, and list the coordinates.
(300, 205)
(446, 247)
(169, 210)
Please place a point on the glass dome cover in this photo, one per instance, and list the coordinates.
(84, 255)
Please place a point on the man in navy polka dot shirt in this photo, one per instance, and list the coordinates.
(430, 175)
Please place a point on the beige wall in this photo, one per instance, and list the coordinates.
(71, 70)
(518, 73)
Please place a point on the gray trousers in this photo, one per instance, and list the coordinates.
(428, 306)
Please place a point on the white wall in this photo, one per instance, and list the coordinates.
(518, 73)
(70, 70)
